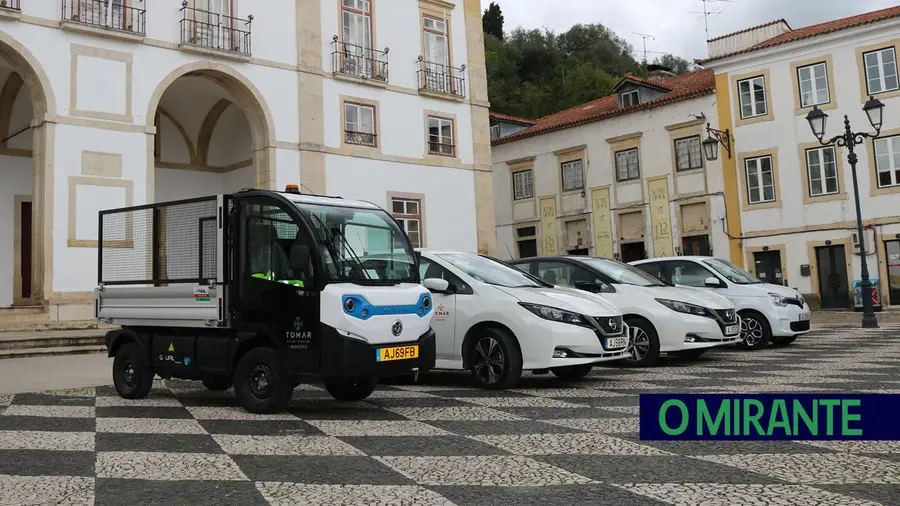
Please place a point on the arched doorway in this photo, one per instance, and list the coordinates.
(214, 134)
(26, 106)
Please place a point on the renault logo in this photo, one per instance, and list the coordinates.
(397, 328)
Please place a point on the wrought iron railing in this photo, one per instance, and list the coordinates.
(361, 138)
(10, 5)
(441, 78)
(105, 14)
(437, 148)
(358, 61)
(215, 31)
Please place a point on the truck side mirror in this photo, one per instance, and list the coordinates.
(299, 257)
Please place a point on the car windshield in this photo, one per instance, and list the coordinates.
(363, 246)
(732, 272)
(490, 271)
(623, 273)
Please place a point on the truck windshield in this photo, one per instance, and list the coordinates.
(363, 246)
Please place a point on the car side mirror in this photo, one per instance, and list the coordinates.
(588, 286)
(437, 285)
(713, 282)
(299, 257)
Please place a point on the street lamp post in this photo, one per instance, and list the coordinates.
(816, 118)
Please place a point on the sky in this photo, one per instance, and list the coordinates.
(677, 26)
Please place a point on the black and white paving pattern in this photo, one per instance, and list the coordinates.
(441, 442)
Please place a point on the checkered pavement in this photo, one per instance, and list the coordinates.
(441, 442)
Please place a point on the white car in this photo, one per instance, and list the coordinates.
(496, 321)
(661, 318)
(768, 312)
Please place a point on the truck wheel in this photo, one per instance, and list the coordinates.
(495, 359)
(350, 390)
(755, 331)
(132, 375)
(572, 372)
(258, 384)
(217, 383)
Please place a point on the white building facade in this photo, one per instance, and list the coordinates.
(112, 103)
(794, 198)
(620, 177)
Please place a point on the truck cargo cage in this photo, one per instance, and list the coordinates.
(164, 264)
(161, 244)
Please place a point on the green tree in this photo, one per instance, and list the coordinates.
(677, 64)
(492, 21)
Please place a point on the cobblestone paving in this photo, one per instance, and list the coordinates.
(440, 442)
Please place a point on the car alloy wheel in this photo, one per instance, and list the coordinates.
(489, 361)
(639, 344)
(751, 331)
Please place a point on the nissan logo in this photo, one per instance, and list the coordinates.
(397, 328)
(612, 323)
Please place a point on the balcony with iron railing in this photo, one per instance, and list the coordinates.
(440, 79)
(11, 5)
(361, 138)
(441, 149)
(207, 31)
(105, 16)
(360, 62)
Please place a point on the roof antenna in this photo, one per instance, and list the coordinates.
(308, 190)
(645, 37)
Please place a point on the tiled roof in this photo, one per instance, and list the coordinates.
(819, 29)
(637, 79)
(512, 119)
(684, 86)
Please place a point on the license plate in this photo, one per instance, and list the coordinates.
(732, 330)
(804, 317)
(615, 342)
(396, 353)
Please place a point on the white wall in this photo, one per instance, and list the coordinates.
(449, 195)
(655, 160)
(15, 179)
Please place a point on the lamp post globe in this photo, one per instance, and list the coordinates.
(711, 149)
(873, 110)
(817, 120)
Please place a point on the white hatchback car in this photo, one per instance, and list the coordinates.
(661, 318)
(496, 321)
(768, 312)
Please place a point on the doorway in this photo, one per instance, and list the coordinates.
(768, 267)
(831, 267)
(892, 250)
(633, 251)
(695, 245)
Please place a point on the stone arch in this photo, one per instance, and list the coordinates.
(44, 114)
(246, 96)
(206, 131)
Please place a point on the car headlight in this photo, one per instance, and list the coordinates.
(801, 299)
(555, 314)
(684, 307)
(778, 300)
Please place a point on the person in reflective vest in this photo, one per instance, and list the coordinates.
(267, 259)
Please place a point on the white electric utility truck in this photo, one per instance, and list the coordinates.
(261, 290)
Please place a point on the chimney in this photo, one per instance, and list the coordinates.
(658, 72)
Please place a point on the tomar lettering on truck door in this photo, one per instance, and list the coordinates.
(298, 339)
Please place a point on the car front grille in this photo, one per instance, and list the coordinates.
(728, 316)
(610, 325)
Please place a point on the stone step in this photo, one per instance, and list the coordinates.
(29, 340)
(52, 351)
(46, 326)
